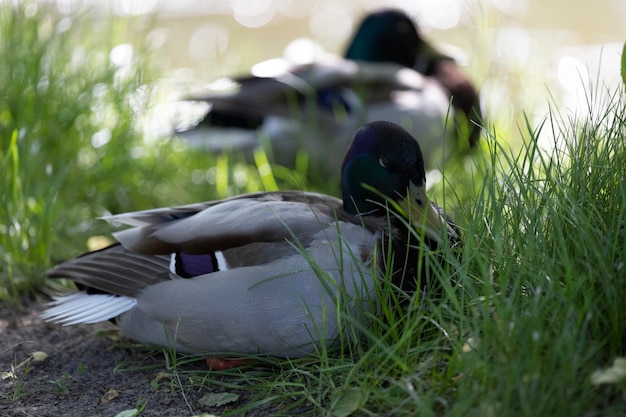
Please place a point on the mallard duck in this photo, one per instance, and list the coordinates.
(266, 272)
(389, 72)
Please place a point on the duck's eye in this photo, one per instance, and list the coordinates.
(419, 202)
(383, 162)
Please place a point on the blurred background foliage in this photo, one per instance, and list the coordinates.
(70, 149)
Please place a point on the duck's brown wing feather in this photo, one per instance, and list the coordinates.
(114, 270)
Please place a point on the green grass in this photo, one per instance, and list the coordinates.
(532, 309)
(59, 96)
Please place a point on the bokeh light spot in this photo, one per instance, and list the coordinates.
(510, 7)
(157, 38)
(572, 73)
(295, 9)
(331, 22)
(254, 13)
(121, 55)
(442, 14)
(303, 51)
(512, 46)
(274, 67)
(135, 7)
(64, 25)
(101, 138)
(208, 42)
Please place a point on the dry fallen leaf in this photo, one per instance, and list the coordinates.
(7, 374)
(218, 399)
(346, 401)
(109, 395)
(612, 375)
(39, 356)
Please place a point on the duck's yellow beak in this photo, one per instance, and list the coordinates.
(423, 215)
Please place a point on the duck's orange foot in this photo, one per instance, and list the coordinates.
(221, 364)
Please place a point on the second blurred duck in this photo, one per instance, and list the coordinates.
(389, 72)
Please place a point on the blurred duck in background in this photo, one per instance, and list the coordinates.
(388, 72)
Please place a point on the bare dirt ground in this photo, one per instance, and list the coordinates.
(79, 376)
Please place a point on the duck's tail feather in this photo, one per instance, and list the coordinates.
(81, 307)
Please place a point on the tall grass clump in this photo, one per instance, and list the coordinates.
(66, 133)
(549, 229)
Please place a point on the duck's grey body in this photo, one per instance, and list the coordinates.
(275, 295)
